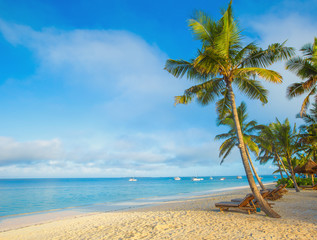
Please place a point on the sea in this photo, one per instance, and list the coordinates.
(27, 196)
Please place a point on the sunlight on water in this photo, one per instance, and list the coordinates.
(20, 196)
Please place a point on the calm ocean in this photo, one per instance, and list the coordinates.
(20, 196)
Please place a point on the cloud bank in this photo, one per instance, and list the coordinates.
(125, 123)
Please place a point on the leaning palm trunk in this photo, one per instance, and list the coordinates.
(280, 160)
(280, 169)
(263, 204)
(254, 171)
(292, 173)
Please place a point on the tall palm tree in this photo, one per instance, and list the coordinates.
(247, 128)
(221, 62)
(286, 139)
(306, 68)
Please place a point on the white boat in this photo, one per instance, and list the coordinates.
(177, 178)
(201, 179)
(195, 179)
(221, 179)
(211, 178)
(275, 177)
(133, 179)
(239, 177)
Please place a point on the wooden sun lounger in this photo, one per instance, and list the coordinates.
(281, 188)
(314, 187)
(246, 204)
(276, 193)
(255, 202)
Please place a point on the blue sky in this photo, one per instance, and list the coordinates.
(83, 92)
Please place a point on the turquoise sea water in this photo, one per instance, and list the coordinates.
(19, 196)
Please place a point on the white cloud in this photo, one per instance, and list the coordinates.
(118, 64)
(14, 152)
(143, 154)
(129, 73)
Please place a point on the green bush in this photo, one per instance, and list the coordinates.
(300, 181)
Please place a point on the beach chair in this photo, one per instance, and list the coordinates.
(245, 204)
(264, 194)
(314, 187)
(276, 193)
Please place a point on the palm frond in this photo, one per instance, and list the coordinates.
(205, 92)
(230, 37)
(223, 136)
(223, 106)
(295, 90)
(306, 101)
(252, 88)
(209, 61)
(266, 74)
(178, 68)
(264, 58)
(203, 27)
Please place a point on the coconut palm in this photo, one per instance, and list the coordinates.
(306, 68)
(223, 61)
(267, 143)
(286, 140)
(308, 133)
(247, 128)
(279, 169)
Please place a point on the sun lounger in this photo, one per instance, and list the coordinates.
(314, 187)
(276, 193)
(246, 204)
(264, 194)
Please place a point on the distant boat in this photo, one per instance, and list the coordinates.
(177, 178)
(261, 178)
(239, 177)
(201, 179)
(275, 177)
(133, 179)
(196, 179)
(211, 178)
(221, 179)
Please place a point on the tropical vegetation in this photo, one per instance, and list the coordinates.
(224, 64)
(248, 130)
(305, 68)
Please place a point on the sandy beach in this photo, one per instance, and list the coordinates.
(186, 219)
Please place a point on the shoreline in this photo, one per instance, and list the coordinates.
(12, 222)
(195, 218)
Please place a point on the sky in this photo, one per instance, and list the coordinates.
(84, 93)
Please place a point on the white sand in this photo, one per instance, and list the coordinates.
(190, 219)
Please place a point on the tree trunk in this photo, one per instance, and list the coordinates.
(292, 173)
(263, 203)
(278, 157)
(254, 171)
(280, 169)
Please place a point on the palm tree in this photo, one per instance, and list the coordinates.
(267, 143)
(306, 68)
(286, 140)
(279, 170)
(308, 133)
(247, 128)
(221, 62)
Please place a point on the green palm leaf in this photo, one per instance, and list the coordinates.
(252, 88)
